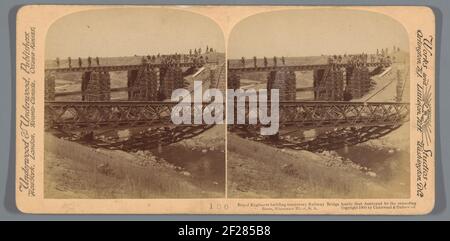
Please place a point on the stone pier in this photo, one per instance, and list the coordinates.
(329, 84)
(50, 78)
(142, 85)
(170, 78)
(358, 81)
(96, 86)
(233, 81)
(284, 81)
(399, 87)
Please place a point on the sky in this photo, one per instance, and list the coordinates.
(126, 32)
(313, 32)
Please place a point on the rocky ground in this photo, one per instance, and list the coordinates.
(76, 171)
(375, 169)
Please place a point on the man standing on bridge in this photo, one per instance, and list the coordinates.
(70, 62)
(243, 62)
(144, 60)
(97, 60)
(254, 61)
(275, 61)
(283, 60)
(89, 61)
(80, 63)
(57, 62)
(265, 61)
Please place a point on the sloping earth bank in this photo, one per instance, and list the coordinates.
(76, 171)
(256, 170)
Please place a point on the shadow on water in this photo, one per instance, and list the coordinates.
(390, 165)
(206, 167)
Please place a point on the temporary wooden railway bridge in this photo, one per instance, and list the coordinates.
(346, 123)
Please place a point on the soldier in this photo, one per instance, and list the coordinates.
(265, 61)
(190, 52)
(57, 62)
(283, 60)
(89, 61)
(97, 60)
(254, 61)
(144, 61)
(70, 62)
(243, 62)
(80, 63)
(275, 61)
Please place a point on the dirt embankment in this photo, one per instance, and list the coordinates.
(256, 170)
(76, 171)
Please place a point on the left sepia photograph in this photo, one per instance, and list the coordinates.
(110, 79)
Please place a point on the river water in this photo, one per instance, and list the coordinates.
(205, 166)
(391, 165)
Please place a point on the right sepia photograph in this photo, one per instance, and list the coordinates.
(336, 121)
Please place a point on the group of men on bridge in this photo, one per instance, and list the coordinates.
(172, 59)
(358, 59)
(265, 61)
(80, 62)
(355, 59)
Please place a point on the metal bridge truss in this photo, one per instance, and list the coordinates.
(151, 138)
(85, 116)
(333, 139)
(317, 114)
(346, 123)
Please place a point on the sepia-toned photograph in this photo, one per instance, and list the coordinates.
(109, 78)
(203, 109)
(343, 83)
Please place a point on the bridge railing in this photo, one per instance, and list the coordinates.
(316, 114)
(107, 68)
(298, 67)
(90, 115)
